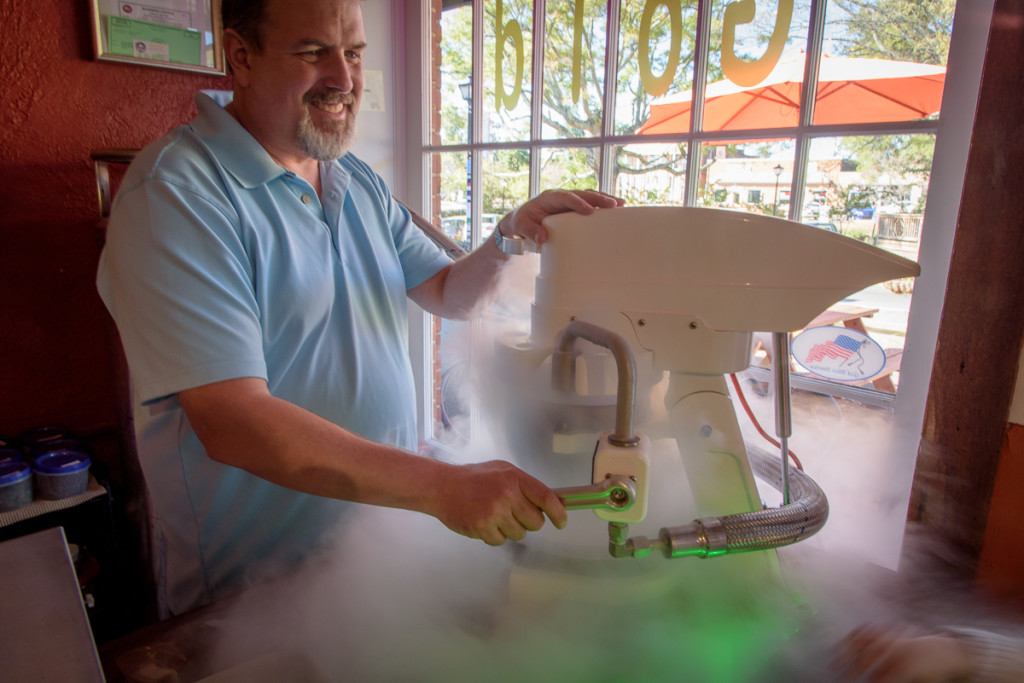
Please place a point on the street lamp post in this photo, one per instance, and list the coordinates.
(778, 172)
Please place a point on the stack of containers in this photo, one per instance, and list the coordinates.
(15, 480)
(51, 457)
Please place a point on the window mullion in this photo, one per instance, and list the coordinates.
(700, 76)
(537, 78)
(611, 71)
(475, 136)
(476, 78)
(799, 179)
(537, 96)
(815, 37)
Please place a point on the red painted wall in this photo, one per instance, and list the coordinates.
(57, 104)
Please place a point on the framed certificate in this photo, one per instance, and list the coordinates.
(173, 34)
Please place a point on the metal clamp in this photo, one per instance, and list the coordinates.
(617, 492)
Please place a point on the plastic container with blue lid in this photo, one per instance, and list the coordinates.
(63, 444)
(15, 484)
(38, 436)
(61, 474)
(8, 453)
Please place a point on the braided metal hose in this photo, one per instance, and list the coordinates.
(804, 516)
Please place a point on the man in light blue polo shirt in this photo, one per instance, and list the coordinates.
(258, 275)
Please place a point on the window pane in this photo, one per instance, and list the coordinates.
(572, 168)
(756, 67)
(450, 176)
(451, 105)
(508, 65)
(656, 53)
(861, 178)
(651, 173)
(505, 174)
(883, 61)
(450, 379)
(752, 176)
(574, 68)
(873, 188)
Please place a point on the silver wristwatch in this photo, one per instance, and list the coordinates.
(511, 246)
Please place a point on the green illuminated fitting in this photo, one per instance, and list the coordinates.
(700, 538)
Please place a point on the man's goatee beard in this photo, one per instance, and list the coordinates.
(334, 142)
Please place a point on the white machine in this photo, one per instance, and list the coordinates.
(664, 301)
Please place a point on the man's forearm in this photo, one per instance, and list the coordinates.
(242, 425)
(465, 288)
(474, 281)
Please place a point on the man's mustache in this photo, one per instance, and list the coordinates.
(329, 97)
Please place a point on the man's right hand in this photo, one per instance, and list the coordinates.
(495, 502)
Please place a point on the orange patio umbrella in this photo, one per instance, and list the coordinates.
(850, 90)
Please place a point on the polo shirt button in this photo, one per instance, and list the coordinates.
(306, 199)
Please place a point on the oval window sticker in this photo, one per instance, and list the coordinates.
(838, 353)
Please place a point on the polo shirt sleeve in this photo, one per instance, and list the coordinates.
(177, 280)
(421, 259)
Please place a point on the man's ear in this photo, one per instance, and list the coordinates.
(237, 52)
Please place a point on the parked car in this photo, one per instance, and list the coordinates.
(862, 213)
(812, 210)
(454, 227)
(831, 227)
(890, 209)
(488, 222)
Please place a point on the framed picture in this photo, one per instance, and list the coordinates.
(172, 34)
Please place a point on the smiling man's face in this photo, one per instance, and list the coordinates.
(302, 90)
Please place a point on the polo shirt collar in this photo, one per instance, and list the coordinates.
(232, 145)
(238, 151)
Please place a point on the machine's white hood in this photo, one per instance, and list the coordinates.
(735, 271)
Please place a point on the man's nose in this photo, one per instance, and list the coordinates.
(341, 72)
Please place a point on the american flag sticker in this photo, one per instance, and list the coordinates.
(838, 353)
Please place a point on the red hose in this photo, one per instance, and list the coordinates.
(757, 425)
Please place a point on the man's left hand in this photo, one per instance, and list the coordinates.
(526, 221)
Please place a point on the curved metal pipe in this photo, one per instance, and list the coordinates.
(760, 530)
(563, 372)
(805, 508)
